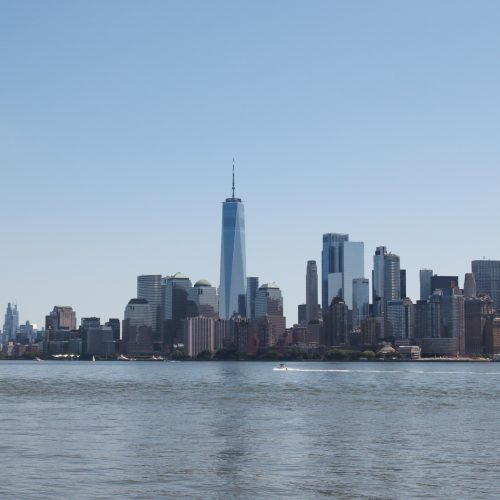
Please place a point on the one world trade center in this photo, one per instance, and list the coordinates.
(233, 258)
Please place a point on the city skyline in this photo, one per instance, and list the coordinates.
(118, 135)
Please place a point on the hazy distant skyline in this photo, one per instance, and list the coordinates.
(120, 120)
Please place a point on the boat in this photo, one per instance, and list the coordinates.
(93, 359)
(121, 357)
(37, 358)
(280, 368)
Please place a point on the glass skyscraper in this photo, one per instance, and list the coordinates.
(233, 257)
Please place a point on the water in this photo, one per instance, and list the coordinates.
(242, 430)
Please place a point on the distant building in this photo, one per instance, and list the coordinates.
(11, 323)
(252, 288)
(176, 290)
(204, 298)
(61, 318)
(402, 280)
(443, 283)
(233, 256)
(425, 283)
(336, 323)
(99, 341)
(269, 313)
(199, 335)
(470, 288)
(400, 319)
(331, 262)
(114, 324)
(487, 274)
(149, 288)
(137, 327)
(386, 282)
(477, 312)
(360, 301)
(301, 314)
(311, 291)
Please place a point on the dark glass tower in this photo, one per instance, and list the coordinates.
(233, 259)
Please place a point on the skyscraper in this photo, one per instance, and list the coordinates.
(360, 301)
(470, 288)
(252, 287)
(204, 298)
(311, 291)
(386, 281)
(425, 283)
(342, 261)
(149, 288)
(11, 323)
(331, 262)
(233, 258)
(487, 274)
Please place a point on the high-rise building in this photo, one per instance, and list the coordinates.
(477, 312)
(331, 262)
(425, 283)
(444, 283)
(336, 323)
(233, 257)
(11, 323)
(470, 288)
(353, 268)
(487, 274)
(342, 261)
(199, 335)
(204, 297)
(175, 307)
(386, 283)
(137, 327)
(61, 318)
(252, 287)
(360, 301)
(400, 319)
(402, 280)
(311, 291)
(269, 307)
(149, 288)
(114, 324)
(301, 314)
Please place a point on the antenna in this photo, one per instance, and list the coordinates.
(233, 178)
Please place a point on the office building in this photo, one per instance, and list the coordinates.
(311, 291)
(149, 288)
(477, 312)
(204, 298)
(444, 283)
(137, 327)
(301, 314)
(114, 324)
(336, 328)
(342, 261)
(402, 281)
(360, 301)
(199, 335)
(269, 312)
(176, 306)
(61, 318)
(487, 274)
(11, 323)
(331, 263)
(99, 341)
(233, 258)
(425, 283)
(252, 287)
(386, 282)
(470, 288)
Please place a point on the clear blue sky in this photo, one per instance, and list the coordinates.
(119, 121)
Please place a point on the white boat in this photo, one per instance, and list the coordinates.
(37, 358)
(121, 357)
(93, 359)
(280, 368)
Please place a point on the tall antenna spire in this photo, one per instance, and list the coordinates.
(233, 178)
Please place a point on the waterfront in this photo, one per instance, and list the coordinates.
(236, 429)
